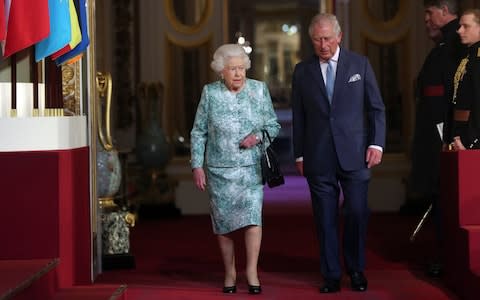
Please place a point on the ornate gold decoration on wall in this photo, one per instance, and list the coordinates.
(368, 36)
(190, 43)
(205, 14)
(385, 36)
(192, 31)
(104, 87)
(71, 82)
(386, 25)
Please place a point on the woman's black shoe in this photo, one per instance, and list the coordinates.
(254, 289)
(230, 289)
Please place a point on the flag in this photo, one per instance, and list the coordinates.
(81, 6)
(76, 35)
(60, 31)
(28, 23)
(6, 12)
(2, 20)
(73, 60)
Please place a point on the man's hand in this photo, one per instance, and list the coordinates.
(457, 144)
(199, 178)
(299, 166)
(373, 157)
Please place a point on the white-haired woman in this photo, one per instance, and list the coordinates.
(225, 158)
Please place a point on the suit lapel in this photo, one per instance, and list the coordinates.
(316, 72)
(341, 74)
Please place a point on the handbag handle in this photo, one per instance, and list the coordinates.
(265, 133)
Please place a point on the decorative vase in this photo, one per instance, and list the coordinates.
(152, 148)
(109, 173)
(115, 220)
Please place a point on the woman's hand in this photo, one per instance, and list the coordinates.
(199, 178)
(249, 141)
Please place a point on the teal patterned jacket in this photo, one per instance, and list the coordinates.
(224, 119)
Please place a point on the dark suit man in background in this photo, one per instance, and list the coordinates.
(434, 92)
(338, 135)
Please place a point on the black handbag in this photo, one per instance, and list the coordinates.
(271, 174)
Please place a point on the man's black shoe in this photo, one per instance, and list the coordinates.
(359, 281)
(330, 286)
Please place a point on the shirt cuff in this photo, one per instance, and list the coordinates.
(376, 147)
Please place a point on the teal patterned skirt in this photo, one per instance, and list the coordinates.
(236, 197)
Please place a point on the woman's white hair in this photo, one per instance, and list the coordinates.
(225, 52)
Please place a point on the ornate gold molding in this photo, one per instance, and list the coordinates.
(170, 39)
(368, 36)
(400, 17)
(178, 26)
(104, 88)
(92, 117)
(71, 82)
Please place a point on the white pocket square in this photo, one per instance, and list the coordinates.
(355, 77)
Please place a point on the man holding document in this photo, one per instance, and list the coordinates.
(434, 90)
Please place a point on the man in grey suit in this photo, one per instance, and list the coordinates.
(338, 135)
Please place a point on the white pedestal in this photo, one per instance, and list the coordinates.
(42, 133)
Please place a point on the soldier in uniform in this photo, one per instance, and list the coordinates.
(434, 90)
(464, 129)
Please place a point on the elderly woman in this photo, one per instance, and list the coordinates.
(226, 160)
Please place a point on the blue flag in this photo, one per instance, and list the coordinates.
(81, 7)
(60, 33)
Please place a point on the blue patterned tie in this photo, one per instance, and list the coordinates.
(330, 80)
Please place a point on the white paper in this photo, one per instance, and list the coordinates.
(440, 130)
